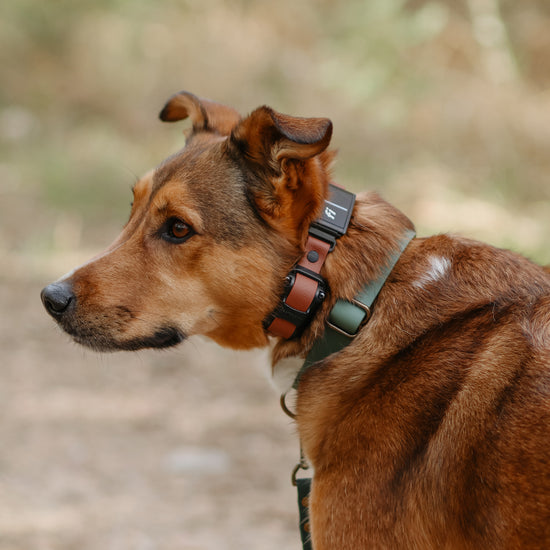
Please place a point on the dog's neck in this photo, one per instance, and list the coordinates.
(374, 237)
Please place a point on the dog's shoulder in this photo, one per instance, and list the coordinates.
(475, 270)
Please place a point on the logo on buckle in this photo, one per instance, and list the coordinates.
(329, 213)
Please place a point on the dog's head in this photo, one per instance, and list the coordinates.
(212, 233)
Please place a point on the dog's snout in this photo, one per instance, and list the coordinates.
(57, 298)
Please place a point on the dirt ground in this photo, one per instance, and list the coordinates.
(184, 449)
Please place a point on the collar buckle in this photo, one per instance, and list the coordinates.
(337, 210)
(291, 318)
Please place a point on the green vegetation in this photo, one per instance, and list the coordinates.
(443, 106)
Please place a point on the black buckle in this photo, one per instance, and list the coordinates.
(319, 232)
(337, 210)
(296, 317)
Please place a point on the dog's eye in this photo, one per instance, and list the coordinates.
(177, 231)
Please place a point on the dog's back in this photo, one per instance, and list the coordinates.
(443, 408)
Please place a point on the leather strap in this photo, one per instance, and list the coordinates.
(302, 294)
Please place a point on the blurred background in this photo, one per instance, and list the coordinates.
(441, 105)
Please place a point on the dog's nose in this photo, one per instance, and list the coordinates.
(57, 298)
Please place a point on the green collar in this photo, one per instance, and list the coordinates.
(347, 318)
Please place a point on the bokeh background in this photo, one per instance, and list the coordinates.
(441, 105)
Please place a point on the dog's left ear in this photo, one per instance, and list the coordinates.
(288, 156)
(206, 115)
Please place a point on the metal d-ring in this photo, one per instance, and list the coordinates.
(302, 465)
(286, 410)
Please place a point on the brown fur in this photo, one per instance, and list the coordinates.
(430, 430)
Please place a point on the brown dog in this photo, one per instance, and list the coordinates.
(430, 430)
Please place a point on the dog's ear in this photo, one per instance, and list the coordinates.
(205, 115)
(268, 136)
(288, 155)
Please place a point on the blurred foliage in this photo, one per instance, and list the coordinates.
(442, 105)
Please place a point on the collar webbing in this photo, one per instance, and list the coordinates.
(346, 318)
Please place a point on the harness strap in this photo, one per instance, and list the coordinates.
(304, 488)
(347, 318)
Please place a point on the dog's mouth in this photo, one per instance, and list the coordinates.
(165, 337)
(98, 340)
